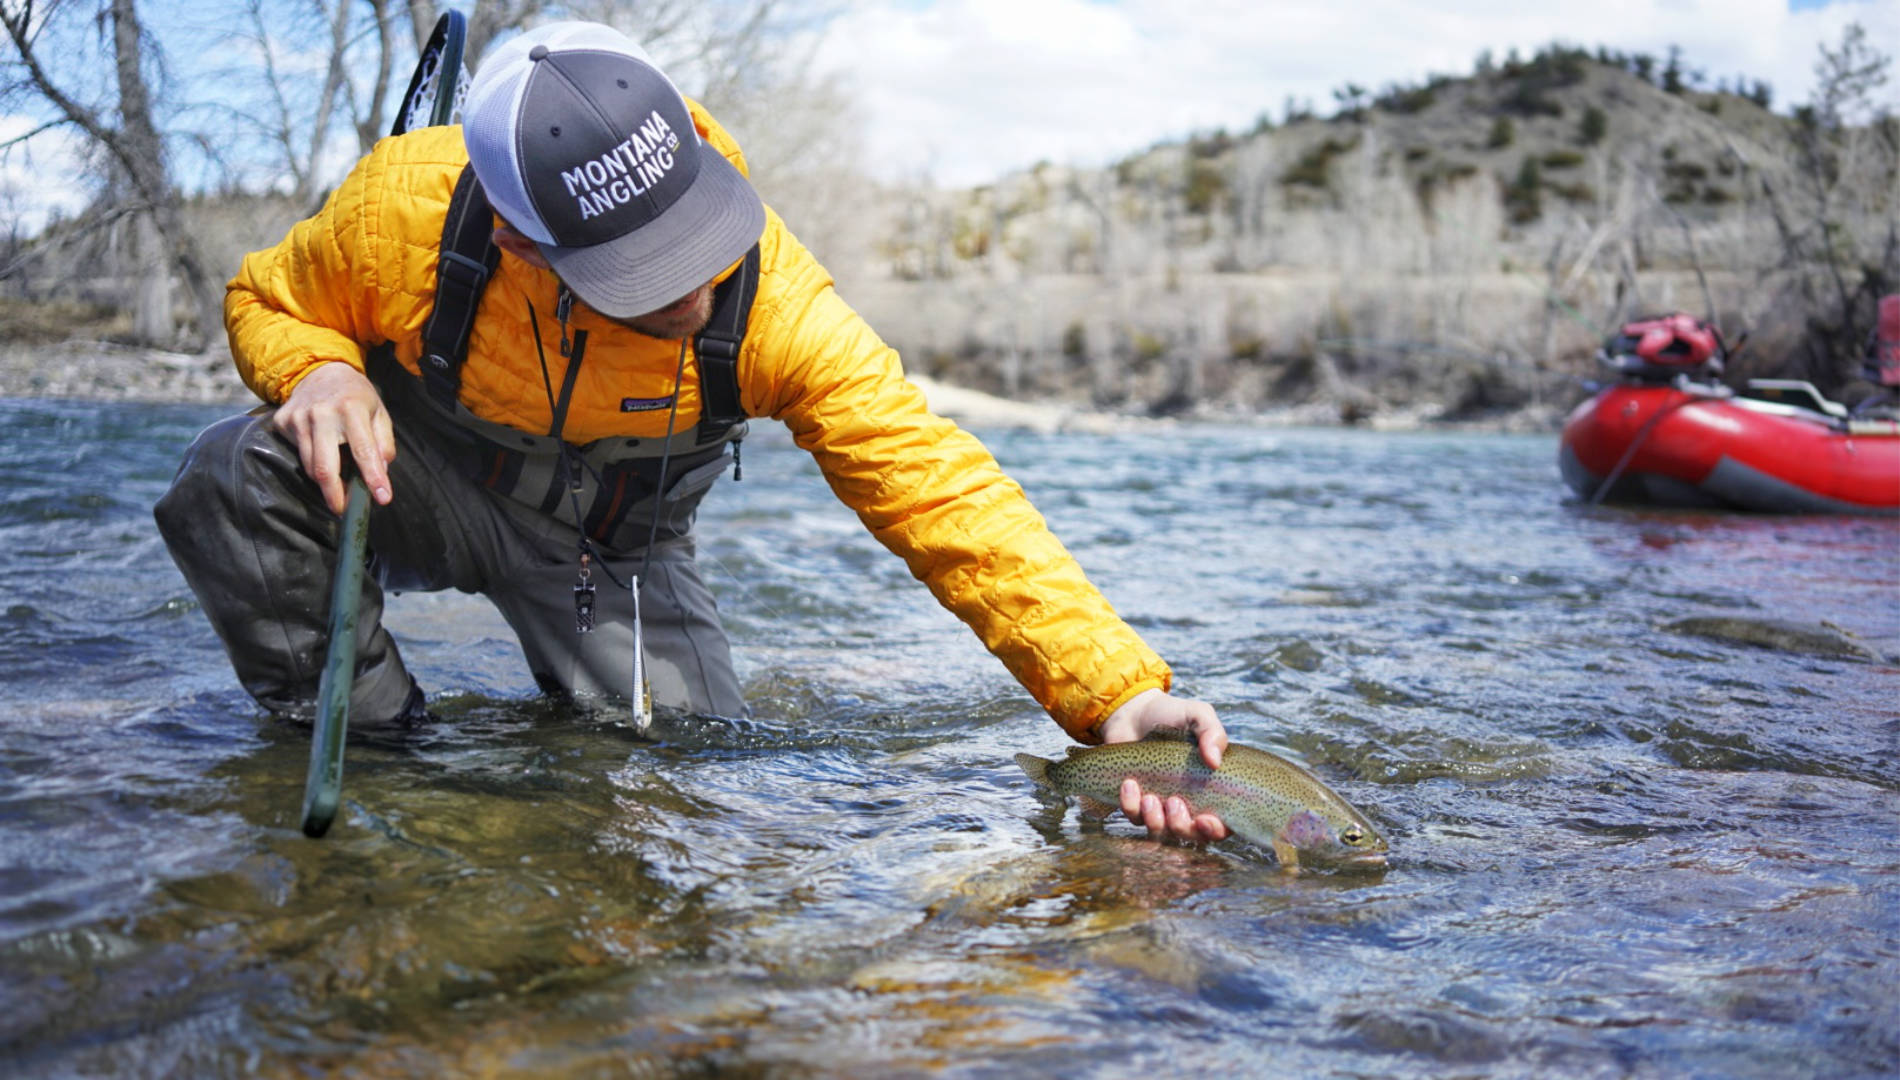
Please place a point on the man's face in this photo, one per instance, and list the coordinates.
(681, 319)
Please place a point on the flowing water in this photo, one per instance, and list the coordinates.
(1617, 850)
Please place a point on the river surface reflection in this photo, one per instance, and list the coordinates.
(1617, 850)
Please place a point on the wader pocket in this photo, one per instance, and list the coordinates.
(684, 494)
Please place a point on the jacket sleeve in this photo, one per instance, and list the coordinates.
(931, 493)
(335, 284)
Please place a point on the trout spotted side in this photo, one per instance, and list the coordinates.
(1263, 798)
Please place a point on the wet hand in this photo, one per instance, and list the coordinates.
(334, 405)
(1155, 710)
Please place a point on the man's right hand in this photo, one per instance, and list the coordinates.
(337, 404)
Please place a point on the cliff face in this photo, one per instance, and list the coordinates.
(1453, 251)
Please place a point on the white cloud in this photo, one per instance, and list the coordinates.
(964, 90)
(40, 177)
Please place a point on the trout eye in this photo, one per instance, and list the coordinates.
(1353, 835)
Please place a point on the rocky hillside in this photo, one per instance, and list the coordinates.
(1451, 251)
(1447, 251)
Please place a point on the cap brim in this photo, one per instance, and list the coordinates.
(706, 229)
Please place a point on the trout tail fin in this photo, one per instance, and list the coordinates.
(1037, 768)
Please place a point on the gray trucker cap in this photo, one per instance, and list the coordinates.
(586, 148)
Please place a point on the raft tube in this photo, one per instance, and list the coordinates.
(1704, 449)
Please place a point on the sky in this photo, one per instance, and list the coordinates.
(960, 92)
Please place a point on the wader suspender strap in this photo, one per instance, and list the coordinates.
(468, 259)
(717, 348)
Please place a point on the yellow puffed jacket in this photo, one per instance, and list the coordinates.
(362, 272)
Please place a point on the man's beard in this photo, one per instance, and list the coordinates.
(683, 318)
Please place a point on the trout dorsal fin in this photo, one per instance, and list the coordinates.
(1168, 734)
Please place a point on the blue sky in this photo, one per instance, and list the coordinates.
(960, 91)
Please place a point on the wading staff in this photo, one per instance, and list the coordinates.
(323, 787)
(433, 91)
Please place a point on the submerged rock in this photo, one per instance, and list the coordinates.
(1784, 635)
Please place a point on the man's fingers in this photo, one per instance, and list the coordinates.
(1208, 733)
(366, 448)
(1180, 822)
(1170, 817)
(1213, 740)
(324, 462)
(1210, 827)
(336, 403)
(1153, 816)
(386, 445)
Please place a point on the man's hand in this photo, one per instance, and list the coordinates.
(337, 404)
(1153, 710)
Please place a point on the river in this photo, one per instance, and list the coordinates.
(1617, 850)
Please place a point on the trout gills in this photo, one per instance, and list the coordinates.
(1263, 798)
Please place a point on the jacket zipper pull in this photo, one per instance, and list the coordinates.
(563, 304)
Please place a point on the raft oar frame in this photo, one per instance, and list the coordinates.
(440, 63)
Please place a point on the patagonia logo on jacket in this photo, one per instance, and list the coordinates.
(645, 404)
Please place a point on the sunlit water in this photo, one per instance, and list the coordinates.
(1617, 850)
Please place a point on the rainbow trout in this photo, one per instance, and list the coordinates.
(1262, 797)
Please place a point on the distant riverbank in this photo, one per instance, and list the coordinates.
(105, 371)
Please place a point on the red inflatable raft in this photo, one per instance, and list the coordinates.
(1660, 437)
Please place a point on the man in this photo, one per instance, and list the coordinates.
(571, 436)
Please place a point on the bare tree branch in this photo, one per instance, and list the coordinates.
(134, 145)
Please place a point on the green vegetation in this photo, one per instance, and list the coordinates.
(1523, 195)
(1593, 127)
(1206, 186)
(1442, 175)
(1672, 73)
(1578, 192)
(1314, 168)
(1352, 101)
(1554, 67)
(1405, 101)
(1503, 133)
(1075, 341)
(1212, 145)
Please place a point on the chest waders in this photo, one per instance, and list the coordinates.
(613, 490)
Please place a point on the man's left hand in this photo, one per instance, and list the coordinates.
(1153, 710)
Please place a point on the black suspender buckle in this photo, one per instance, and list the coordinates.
(460, 270)
(716, 347)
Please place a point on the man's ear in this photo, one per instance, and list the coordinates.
(512, 242)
